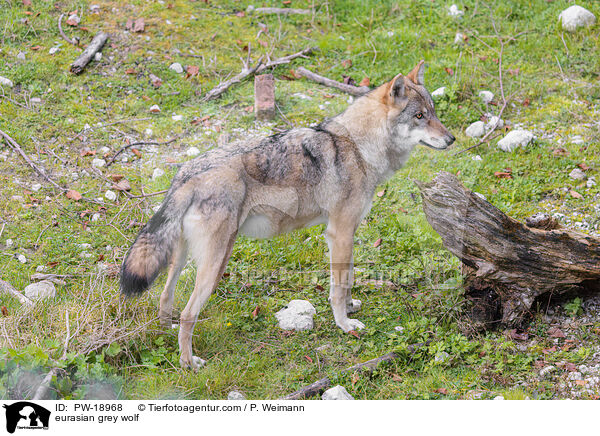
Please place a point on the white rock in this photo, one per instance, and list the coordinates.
(575, 17)
(337, 393)
(577, 140)
(75, 18)
(477, 158)
(36, 187)
(53, 50)
(486, 96)
(148, 132)
(459, 38)
(40, 290)
(297, 315)
(442, 357)
(157, 173)
(154, 109)
(399, 328)
(547, 370)
(9, 242)
(95, 217)
(21, 258)
(21, 56)
(95, 9)
(453, 11)
(476, 130)
(514, 139)
(103, 150)
(176, 66)
(98, 56)
(577, 174)
(110, 195)
(6, 82)
(235, 395)
(177, 117)
(98, 163)
(192, 151)
(439, 92)
(41, 268)
(499, 397)
(494, 121)
(591, 182)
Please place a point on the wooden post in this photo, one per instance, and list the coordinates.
(264, 97)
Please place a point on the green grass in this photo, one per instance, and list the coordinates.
(555, 90)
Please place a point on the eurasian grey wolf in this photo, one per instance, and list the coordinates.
(263, 187)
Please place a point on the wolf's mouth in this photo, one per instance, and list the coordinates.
(430, 146)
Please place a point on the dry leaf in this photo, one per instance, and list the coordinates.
(354, 379)
(129, 71)
(396, 378)
(365, 82)
(156, 81)
(139, 25)
(518, 336)
(255, 311)
(575, 194)
(526, 102)
(115, 177)
(308, 359)
(381, 193)
(549, 350)
(263, 43)
(555, 332)
(442, 391)
(4, 309)
(136, 152)
(72, 22)
(570, 367)
(295, 74)
(354, 333)
(240, 14)
(450, 71)
(192, 70)
(36, 47)
(129, 24)
(73, 195)
(123, 185)
(26, 2)
(347, 63)
(377, 243)
(559, 151)
(580, 382)
(583, 166)
(503, 175)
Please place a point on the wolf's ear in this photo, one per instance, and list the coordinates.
(397, 91)
(417, 74)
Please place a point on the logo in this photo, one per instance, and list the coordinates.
(26, 415)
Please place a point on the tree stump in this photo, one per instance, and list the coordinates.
(507, 264)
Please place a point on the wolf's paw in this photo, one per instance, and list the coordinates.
(351, 324)
(353, 306)
(195, 363)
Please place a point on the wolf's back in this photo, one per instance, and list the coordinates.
(153, 247)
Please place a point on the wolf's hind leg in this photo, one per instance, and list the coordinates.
(352, 305)
(211, 242)
(166, 298)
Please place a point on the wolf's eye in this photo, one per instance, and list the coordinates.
(419, 115)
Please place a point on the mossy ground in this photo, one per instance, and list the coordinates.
(551, 76)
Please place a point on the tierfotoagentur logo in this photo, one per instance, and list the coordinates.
(26, 415)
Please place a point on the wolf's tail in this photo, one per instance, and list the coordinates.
(153, 247)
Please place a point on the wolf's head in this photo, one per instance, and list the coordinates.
(411, 117)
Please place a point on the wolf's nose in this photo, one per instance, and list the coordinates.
(450, 138)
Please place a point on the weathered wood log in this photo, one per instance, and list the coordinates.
(7, 288)
(504, 256)
(350, 89)
(87, 55)
(370, 365)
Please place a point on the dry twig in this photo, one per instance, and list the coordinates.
(350, 89)
(87, 55)
(74, 41)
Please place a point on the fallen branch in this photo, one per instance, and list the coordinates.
(9, 289)
(87, 55)
(74, 41)
(370, 365)
(258, 68)
(134, 144)
(16, 147)
(506, 263)
(350, 89)
(278, 11)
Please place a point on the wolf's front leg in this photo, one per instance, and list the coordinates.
(340, 238)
